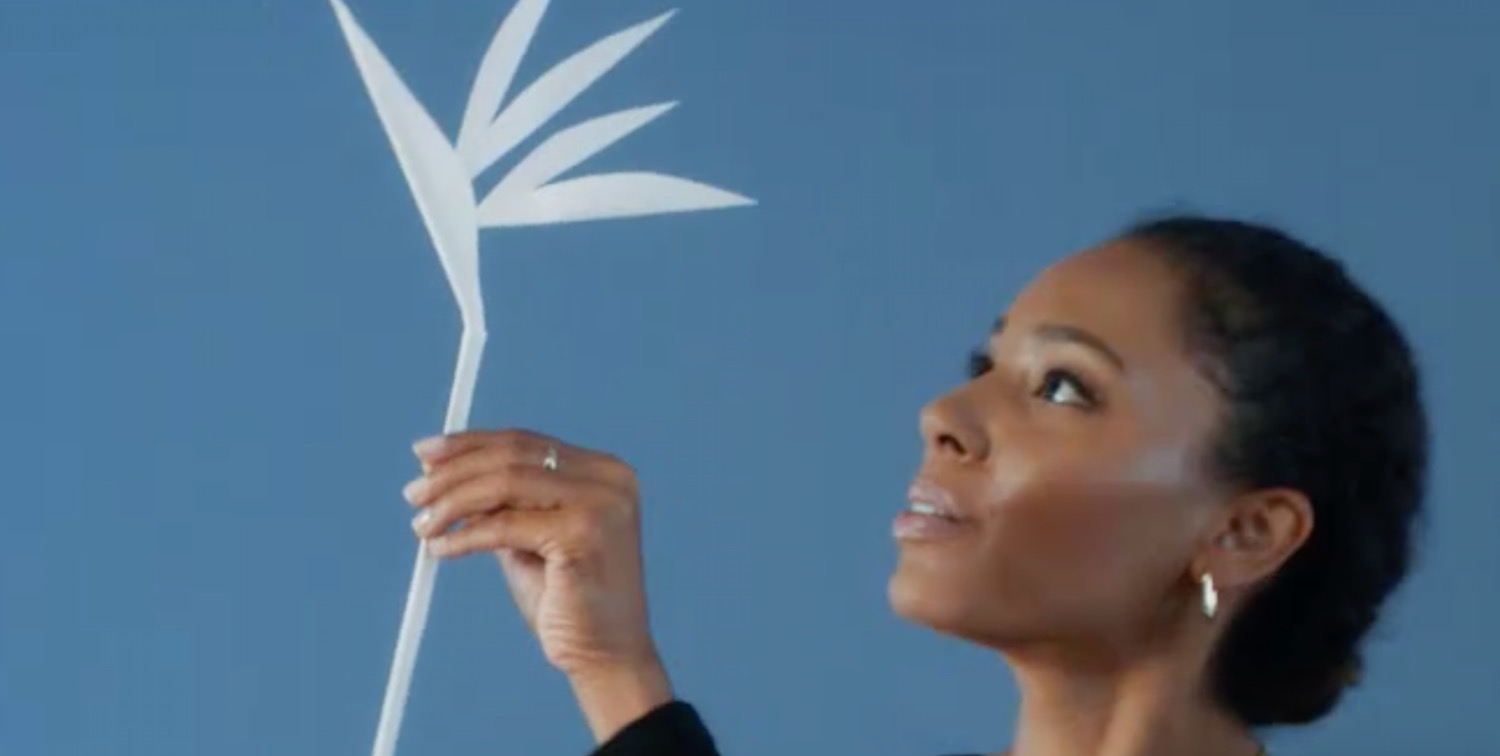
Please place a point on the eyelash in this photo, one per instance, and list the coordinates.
(981, 364)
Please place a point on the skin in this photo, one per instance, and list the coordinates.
(1085, 519)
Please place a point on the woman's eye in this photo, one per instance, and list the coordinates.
(1062, 387)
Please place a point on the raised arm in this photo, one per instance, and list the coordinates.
(565, 524)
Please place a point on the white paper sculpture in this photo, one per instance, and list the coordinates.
(441, 176)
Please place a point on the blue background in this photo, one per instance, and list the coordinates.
(223, 324)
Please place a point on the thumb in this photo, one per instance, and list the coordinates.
(524, 574)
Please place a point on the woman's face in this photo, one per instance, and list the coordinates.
(1070, 471)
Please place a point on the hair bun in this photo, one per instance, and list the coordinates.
(1322, 394)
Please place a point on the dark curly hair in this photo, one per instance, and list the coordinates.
(1323, 396)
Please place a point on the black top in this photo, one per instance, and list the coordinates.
(672, 729)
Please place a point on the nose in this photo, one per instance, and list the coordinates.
(952, 428)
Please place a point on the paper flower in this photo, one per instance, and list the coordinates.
(441, 175)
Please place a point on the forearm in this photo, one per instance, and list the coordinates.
(614, 697)
(632, 712)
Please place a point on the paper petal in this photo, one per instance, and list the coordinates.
(608, 195)
(496, 72)
(437, 178)
(553, 90)
(570, 147)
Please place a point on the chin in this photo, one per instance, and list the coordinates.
(918, 595)
(950, 604)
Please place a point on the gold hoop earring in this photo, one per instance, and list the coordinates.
(1210, 596)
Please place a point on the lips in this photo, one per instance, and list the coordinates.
(926, 498)
(930, 515)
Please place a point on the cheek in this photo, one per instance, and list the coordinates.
(1086, 528)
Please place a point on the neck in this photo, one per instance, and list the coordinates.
(1140, 707)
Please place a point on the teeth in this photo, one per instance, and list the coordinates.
(924, 509)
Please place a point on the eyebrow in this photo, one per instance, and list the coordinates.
(1068, 334)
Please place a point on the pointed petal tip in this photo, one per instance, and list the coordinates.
(608, 196)
(553, 90)
(659, 21)
(733, 199)
(497, 70)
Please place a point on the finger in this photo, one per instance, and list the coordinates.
(441, 480)
(513, 561)
(438, 449)
(513, 486)
(513, 450)
(435, 449)
(523, 571)
(509, 453)
(450, 461)
(542, 532)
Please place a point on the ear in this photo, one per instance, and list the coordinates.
(1255, 535)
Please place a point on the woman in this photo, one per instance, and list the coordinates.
(1175, 493)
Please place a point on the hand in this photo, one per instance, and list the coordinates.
(568, 540)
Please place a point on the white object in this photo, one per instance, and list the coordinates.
(441, 176)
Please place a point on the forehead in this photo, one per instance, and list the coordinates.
(1119, 292)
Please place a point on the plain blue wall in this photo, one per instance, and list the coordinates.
(223, 324)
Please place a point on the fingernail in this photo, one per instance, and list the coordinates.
(417, 490)
(421, 521)
(428, 446)
(436, 545)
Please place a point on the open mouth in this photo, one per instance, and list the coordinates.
(928, 516)
(927, 509)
